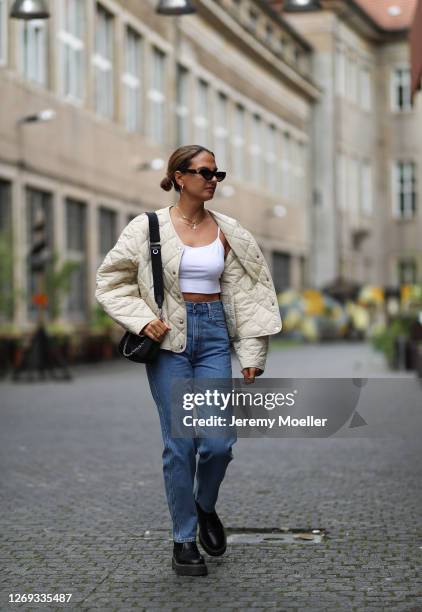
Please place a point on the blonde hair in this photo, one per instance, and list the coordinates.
(180, 160)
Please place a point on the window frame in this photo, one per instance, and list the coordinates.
(132, 83)
(157, 96)
(394, 106)
(366, 88)
(77, 255)
(256, 150)
(3, 33)
(201, 122)
(366, 181)
(70, 40)
(104, 66)
(397, 194)
(221, 129)
(238, 141)
(25, 57)
(182, 109)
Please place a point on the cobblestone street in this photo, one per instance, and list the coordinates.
(84, 508)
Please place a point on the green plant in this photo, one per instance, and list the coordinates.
(385, 340)
(57, 283)
(100, 323)
(7, 293)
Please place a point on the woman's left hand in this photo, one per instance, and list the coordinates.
(250, 373)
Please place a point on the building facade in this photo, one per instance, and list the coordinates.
(128, 86)
(367, 145)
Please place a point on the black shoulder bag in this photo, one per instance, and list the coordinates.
(143, 349)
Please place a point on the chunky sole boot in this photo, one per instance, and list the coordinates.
(212, 536)
(187, 560)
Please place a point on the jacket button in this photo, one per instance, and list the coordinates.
(257, 256)
(181, 320)
(174, 271)
(181, 346)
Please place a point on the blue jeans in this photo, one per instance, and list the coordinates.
(207, 355)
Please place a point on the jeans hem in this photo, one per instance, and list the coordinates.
(186, 540)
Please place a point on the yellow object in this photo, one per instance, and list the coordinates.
(314, 302)
(371, 294)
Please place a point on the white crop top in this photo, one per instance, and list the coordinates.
(201, 267)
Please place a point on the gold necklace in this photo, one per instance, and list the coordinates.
(190, 221)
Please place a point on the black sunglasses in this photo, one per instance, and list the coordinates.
(207, 174)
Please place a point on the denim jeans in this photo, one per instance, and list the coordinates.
(207, 355)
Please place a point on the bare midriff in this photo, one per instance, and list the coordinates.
(200, 297)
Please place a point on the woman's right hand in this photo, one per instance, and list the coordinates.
(155, 330)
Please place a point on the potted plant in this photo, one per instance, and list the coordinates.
(393, 341)
(11, 339)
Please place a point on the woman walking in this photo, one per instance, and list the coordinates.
(218, 291)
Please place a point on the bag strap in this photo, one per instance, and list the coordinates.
(157, 266)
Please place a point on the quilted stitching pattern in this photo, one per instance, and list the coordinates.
(124, 287)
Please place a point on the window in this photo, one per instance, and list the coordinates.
(182, 107)
(107, 228)
(281, 271)
(296, 171)
(6, 253)
(157, 96)
(401, 95)
(404, 190)
(103, 61)
(221, 132)
(131, 79)
(301, 172)
(238, 142)
(352, 79)
(270, 158)
(353, 187)
(341, 73)
(71, 37)
(3, 31)
(285, 165)
(407, 272)
(255, 151)
(342, 185)
(201, 113)
(366, 196)
(38, 207)
(365, 89)
(33, 51)
(76, 302)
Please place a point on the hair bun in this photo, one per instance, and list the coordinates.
(166, 183)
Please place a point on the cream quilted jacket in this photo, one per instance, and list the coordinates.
(124, 287)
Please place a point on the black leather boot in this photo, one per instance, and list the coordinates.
(187, 560)
(212, 536)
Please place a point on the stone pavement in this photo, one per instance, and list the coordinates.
(83, 509)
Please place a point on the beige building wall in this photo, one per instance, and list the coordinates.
(344, 149)
(92, 159)
(401, 140)
(358, 137)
